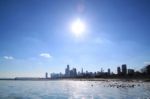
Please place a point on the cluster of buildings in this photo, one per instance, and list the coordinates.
(69, 73)
(73, 73)
(124, 71)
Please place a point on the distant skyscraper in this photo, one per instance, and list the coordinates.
(46, 75)
(124, 69)
(108, 71)
(130, 71)
(82, 71)
(118, 70)
(102, 70)
(71, 73)
(68, 67)
(67, 71)
(74, 72)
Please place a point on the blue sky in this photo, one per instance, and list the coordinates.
(35, 35)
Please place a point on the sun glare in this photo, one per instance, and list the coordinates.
(78, 27)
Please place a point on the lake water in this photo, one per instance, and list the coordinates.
(72, 90)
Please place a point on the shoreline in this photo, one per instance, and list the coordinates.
(82, 79)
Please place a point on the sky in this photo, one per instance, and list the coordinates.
(36, 36)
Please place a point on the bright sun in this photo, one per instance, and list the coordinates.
(78, 27)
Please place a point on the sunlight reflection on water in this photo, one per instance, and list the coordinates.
(71, 90)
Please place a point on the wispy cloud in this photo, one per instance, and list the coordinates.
(146, 62)
(45, 55)
(8, 57)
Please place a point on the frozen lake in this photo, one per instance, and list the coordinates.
(64, 89)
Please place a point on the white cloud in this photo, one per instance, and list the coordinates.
(147, 63)
(8, 57)
(45, 55)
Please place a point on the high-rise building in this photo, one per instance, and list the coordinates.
(74, 72)
(102, 70)
(130, 71)
(68, 67)
(118, 70)
(46, 75)
(82, 70)
(67, 71)
(108, 71)
(124, 69)
(71, 73)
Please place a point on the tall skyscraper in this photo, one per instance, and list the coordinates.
(102, 70)
(68, 67)
(46, 75)
(118, 70)
(124, 69)
(108, 71)
(67, 71)
(74, 72)
(82, 71)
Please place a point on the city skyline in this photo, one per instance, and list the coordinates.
(38, 36)
(121, 71)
